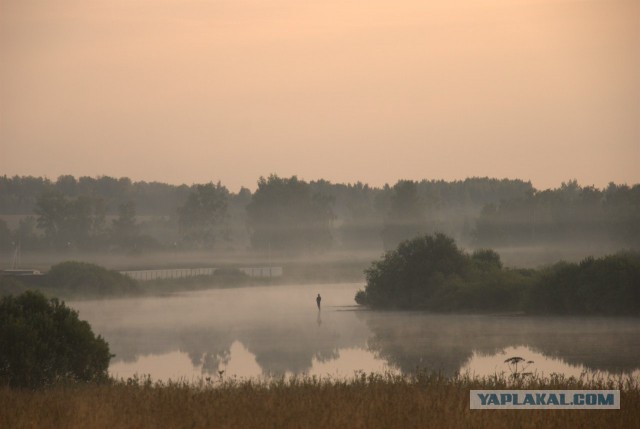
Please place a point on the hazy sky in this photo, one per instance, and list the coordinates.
(188, 91)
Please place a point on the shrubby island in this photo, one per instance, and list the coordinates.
(431, 273)
(73, 279)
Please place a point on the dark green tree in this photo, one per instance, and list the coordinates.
(70, 223)
(43, 342)
(430, 272)
(406, 216)
(415, 273)
(201, 219)
(362, 222)
(285, 215)
(606, 286)
(67, 185)
(487, 259)
(25, 233)
(124, 229)
(51, 208)
(567, 216)
(85, 221)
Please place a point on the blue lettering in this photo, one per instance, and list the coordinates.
(493, 399)
(592, 399)
(578, 399)
(540, 397)
(563, 400)
(528, 399)
(553, 399)
(483, 398)
(605, 399)
(505, 398)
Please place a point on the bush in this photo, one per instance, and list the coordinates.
(415, 274)
(83, 279)
(361, 297)
(43, 341)
(607, 286)
(431, 273)
(486, 259)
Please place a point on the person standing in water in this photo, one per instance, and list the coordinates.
(318, 299)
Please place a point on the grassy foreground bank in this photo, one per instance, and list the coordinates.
(373, 401)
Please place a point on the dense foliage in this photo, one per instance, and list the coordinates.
(18, 194)
(125, 231)
(287, 214)
(569, 215)
(43, 341)
(202, 215)
(431, 272)
(84, 279)
(67, 222)
(608, 285)
(73, 279)
(406, 217)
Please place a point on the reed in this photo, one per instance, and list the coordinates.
(364, 401)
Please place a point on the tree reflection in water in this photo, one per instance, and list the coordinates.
(281, 326)
(444, 343)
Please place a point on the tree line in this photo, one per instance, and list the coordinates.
(569, 214)
(290, 215)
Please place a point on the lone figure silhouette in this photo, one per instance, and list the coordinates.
(318, 299)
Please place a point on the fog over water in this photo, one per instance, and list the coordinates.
(275, 330)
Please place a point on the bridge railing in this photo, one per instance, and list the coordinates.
(181, 273)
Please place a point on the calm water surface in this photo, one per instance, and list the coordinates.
(278, 330)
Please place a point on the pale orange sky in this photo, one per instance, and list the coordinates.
(188, 91)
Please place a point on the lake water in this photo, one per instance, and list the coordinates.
(278, 330)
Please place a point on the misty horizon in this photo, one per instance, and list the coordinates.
(357, 182)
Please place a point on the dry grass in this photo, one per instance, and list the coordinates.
(367, 401)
